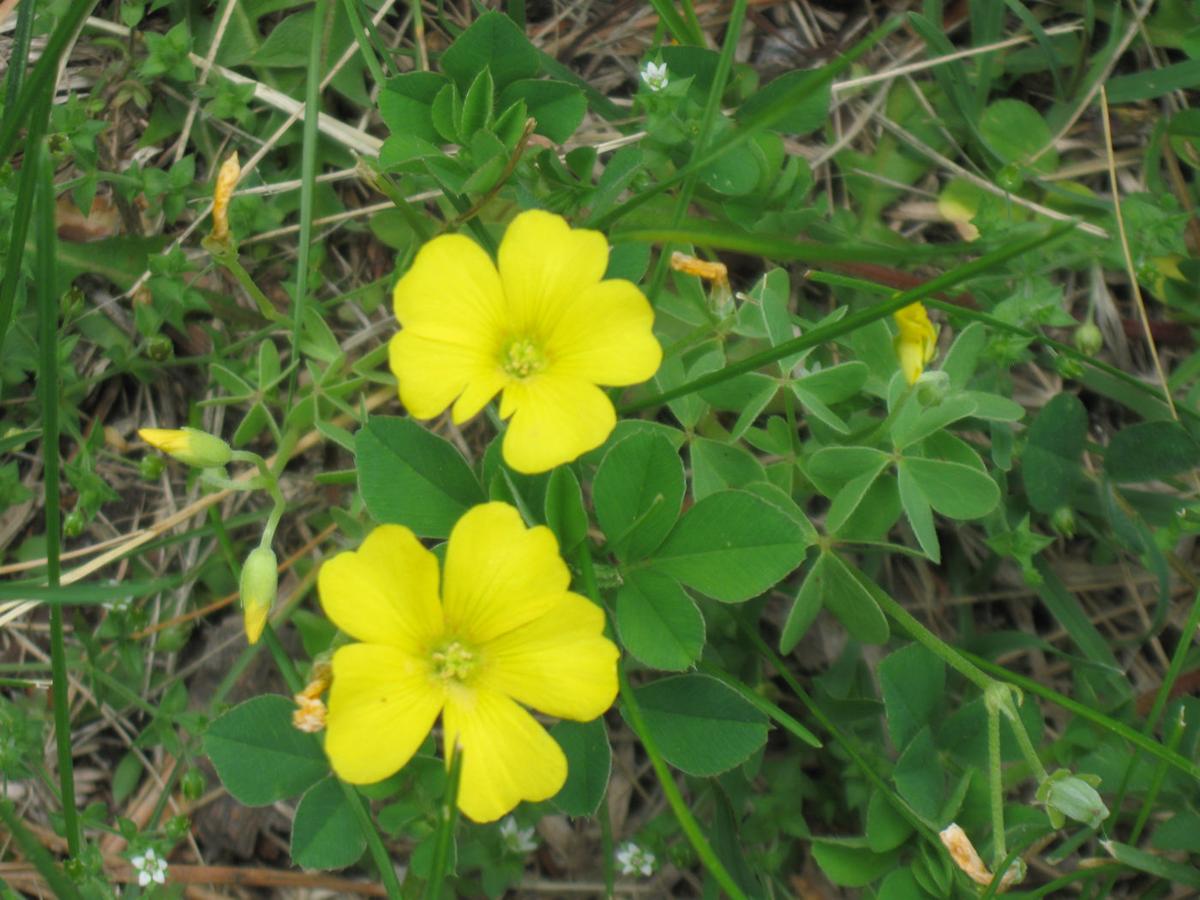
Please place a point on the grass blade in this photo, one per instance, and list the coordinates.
(48, 386)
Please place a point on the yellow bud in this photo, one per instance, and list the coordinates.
(916, 343)
(709, 271)
(227, 179)
(188, 445)
(259, 583)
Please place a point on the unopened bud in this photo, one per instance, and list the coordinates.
(932, 388)
(189, 445)
(259, 583)
(1088, 339)
(1068, 796)
(1063, 521)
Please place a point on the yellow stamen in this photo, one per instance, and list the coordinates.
(522, 358)
(453, 662)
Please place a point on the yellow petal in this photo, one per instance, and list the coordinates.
(554, 420)
(507, 756)
(560, 663)
(605, 336)
(381, 706)
(386, 592)
(499, 575)
(453, 318)
(545, 265)
(432, 373)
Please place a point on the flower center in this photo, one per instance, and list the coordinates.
(522, 358)
(453, 662)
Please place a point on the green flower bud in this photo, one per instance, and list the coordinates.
(178, 827)
(260, 581)
(932, 388)
(74, 524)
(160, 348)
(1068, 796)
(1088, 339)
(1070, 369)
(193, 784)
(1063, 521)
(189, 445)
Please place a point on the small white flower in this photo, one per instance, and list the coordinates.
(655, 76)
(150, 867)
(517, 841)
(634, 860)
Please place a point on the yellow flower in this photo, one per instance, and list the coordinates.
(916, 343)
(541, 327)
(504, 631)
(188, 445)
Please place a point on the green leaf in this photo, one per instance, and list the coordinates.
(851, 496)
(406, 104)
(701, 726)
(920, 514)
(732, 546)
(913, 683)
(831, 467)
(805, 608)
(1151, 451)
(259, 755)
(844, 593)
(1015, 131)
(410, 476)
(564, 509)
(637, 493)
(808, 114)
(963, 355)
(1169, 870)
(953, 489)
(835, 384)
(494, 41)
(935, 418)
(325, 830)
(901, 885)
(659, 624)
(589, 763)
(919, 777)
(1050, 465)
(887, 829)
(717, 466)
(557, 107)
(477, 105)
(849, 862)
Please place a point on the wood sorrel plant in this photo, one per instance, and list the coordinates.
(699, 491)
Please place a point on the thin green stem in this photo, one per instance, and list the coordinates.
(364, 46)
(378, 851)
(225, 253)
(1156, 781)
(996, 789)
(447, 819)
(1027, 749)
(933, 643)
(308, 177)
(854, 321)
(1083, 711)
(633, 715)
(47, 295)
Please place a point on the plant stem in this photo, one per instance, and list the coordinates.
(47, 296)
(996, 785)
(633, 715)
(933, 643)
(308, 178)
(447, 818)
